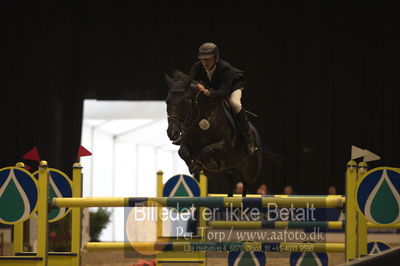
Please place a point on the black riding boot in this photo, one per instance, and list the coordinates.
(243, 124)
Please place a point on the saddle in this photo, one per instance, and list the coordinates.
(226, 106)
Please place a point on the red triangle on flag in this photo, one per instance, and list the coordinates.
(32, 155)
(83, 152)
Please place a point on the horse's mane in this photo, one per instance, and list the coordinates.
(176, 94)
(179, 76)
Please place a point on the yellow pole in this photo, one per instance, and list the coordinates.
(203, 193)
(42, 243)
(361, 220)
(18, 232)
(350, 226)
(383, 226)
(285, 224)
(76, 227)
(160, 185)
(182, 246)
(90, 202)
(202, 221)
(312, 202)
(277, 196)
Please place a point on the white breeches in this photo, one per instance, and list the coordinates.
(234, 100)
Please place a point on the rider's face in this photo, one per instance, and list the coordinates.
(208, 63)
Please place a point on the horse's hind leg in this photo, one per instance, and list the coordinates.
(232, 186)
(244, 192)
(196, 175)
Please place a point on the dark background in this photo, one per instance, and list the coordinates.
(322, 75)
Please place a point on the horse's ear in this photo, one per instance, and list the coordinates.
(168, 80)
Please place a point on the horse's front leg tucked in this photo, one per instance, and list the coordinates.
(212, 157)
(190, 162)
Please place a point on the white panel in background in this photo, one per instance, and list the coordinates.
(129, 145)
(86, 162)
(125, 169)
(110, 110)
(146, 174)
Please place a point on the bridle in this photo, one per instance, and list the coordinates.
(187, 121)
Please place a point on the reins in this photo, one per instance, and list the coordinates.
(187, 121)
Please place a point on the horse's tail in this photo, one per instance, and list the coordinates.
(276, 158)
(259, 145)
(265, 153)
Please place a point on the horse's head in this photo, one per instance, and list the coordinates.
(178, 104)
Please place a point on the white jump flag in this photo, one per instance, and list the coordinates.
(367, 155)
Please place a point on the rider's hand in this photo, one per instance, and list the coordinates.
(206, 92)
(200, 87)
(203, 89)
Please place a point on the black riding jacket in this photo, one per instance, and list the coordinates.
(225, 79)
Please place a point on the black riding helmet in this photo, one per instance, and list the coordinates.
(208, 50)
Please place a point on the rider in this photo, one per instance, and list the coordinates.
(225, 82)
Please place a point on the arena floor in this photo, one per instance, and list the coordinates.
(118, 258)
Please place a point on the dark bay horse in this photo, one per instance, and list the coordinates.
(208, 140)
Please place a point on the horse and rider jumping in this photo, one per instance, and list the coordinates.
(204, 114)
